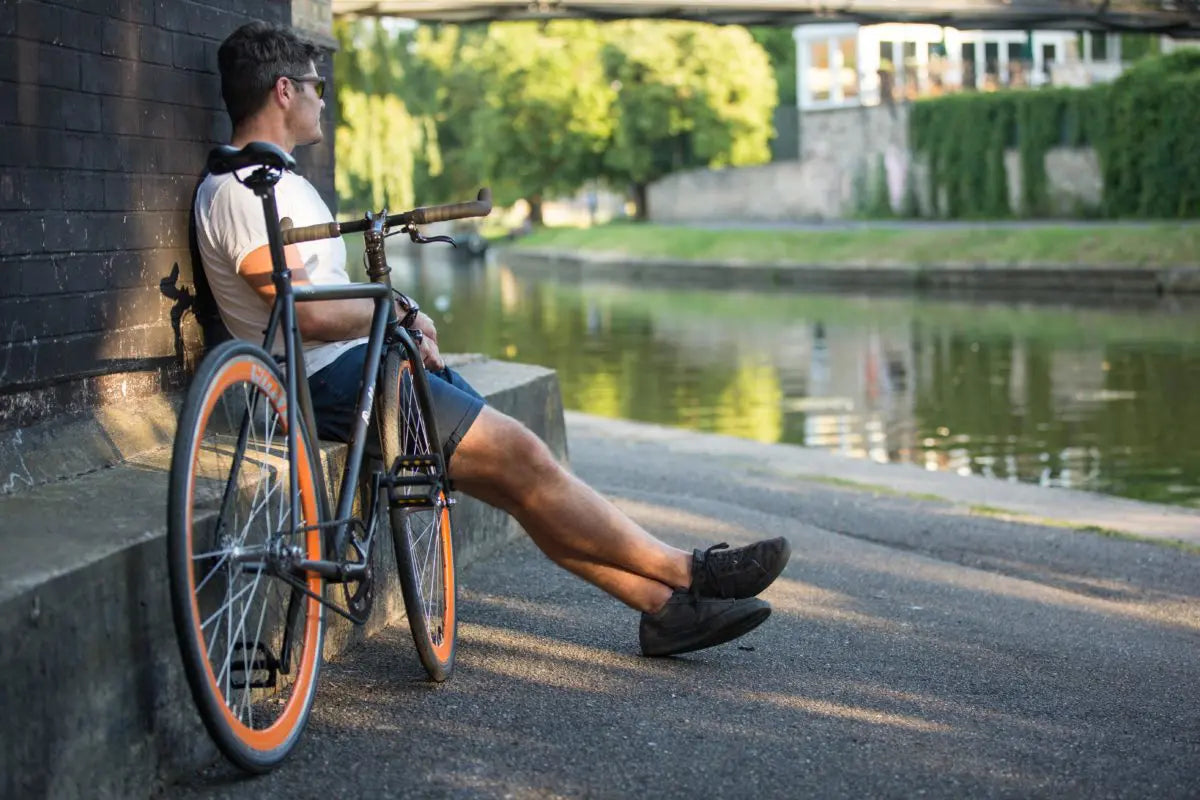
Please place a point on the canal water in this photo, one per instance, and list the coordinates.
(1104, 399)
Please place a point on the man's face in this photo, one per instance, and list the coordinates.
(304, 112)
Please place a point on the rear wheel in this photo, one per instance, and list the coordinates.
(250, 638)
(420, 517)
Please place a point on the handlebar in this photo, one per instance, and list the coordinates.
(480, 207)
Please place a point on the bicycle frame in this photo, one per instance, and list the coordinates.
(385, 331)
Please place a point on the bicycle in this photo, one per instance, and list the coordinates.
(251, 543)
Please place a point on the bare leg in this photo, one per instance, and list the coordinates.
(502, 463)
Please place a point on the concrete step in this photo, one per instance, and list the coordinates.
(94, 695)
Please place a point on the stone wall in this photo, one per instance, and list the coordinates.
(107, 109)
(1074, 182)
(841, 151)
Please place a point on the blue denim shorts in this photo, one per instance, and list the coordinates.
(335, 389)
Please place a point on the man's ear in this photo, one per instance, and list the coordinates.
(282, 91)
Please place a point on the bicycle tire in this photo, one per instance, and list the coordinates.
(235, 675)
(422, 536)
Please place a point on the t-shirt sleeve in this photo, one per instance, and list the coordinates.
(236, 217)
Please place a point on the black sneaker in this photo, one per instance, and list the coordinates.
(721, 571)
(688, 622)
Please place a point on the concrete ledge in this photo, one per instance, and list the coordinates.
(94, 691)
(1053, 280)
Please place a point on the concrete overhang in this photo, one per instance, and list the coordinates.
(1178, 18)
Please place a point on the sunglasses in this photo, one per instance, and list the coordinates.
(317, 82)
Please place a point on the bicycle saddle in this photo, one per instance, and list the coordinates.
(225, 158)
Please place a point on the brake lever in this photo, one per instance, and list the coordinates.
(416, 236)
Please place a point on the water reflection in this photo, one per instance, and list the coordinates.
(1097, 399)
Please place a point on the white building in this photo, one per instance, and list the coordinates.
(845, 64)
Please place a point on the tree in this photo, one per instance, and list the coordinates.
(688, 95)
(377, 139)
(545, 116)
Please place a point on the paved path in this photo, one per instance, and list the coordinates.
(915, 650)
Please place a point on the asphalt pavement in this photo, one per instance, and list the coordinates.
(918, 648)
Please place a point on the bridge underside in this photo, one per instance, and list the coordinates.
(1178, 18)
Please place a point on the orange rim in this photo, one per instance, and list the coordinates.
(443, 649)
(249, 370)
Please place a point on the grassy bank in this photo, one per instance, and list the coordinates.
(1155, 245)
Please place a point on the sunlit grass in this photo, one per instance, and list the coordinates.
(1153, 245)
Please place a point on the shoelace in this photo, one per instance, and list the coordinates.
(710, 569)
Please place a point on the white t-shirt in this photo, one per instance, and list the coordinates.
(230, 226)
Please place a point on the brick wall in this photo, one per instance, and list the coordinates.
(107, 109)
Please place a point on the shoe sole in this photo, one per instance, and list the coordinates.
(712, 638)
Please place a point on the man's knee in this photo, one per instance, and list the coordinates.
(501, 451)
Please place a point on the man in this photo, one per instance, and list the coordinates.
(688, 601)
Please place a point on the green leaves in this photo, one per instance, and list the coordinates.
(538, 110)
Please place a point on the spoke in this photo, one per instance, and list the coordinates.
(212, 571)
(228, 601)
(241, 628)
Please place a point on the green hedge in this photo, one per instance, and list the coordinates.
(1145, 128)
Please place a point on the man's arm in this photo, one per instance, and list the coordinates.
(326, 320)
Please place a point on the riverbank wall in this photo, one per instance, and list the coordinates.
(1033, 281)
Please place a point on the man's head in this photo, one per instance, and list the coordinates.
(266, 69)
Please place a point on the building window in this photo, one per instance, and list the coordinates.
(818, 74)
(849, 70)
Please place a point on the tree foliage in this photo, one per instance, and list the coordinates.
(377, 140)
(688, 95)
(1145, 128)
(538, 110)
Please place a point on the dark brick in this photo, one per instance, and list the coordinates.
(123, 192)
(8, 103)
(58, 66)
(194, 124)
(83, 191)
(182, 158)
(39, 277)
(171, 15)
(141, 11)
(191, 53)
(32, 190)
(83, 30)
(122, 116)
(10, 58)
(162, 84)
(136, 154)
(155, 46)
(81, 112)
(13, 273)
(107, 75)
(211, 23)
(17, 363)
(20, 233)
(62, 150)
(72, 232)
(126, 308)
(119, 39)
(39, 21)
(159, 121)
(8, 19)
(88, 272)
(29, 319)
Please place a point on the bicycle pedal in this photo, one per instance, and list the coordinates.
(408, 501)
(416, 462)
(241, 673)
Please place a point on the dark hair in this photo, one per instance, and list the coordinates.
(252, 58)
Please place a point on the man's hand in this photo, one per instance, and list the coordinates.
(430, 354)
(425, 325)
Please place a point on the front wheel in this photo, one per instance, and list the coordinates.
(420, 517)
(250, 637)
